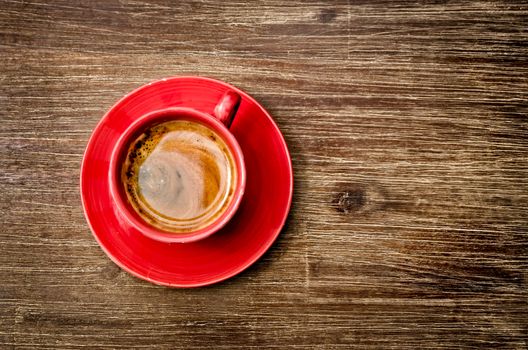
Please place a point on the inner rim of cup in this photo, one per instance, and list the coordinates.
(120, 151)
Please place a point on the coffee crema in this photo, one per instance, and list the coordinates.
(179, 175)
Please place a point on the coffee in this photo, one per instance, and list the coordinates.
(179, 175)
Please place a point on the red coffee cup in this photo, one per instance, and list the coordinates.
(219, 121)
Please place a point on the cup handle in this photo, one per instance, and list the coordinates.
(226, 107)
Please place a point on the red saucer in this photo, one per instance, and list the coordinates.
(242, 241)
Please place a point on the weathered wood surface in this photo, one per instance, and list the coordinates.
(407, 124)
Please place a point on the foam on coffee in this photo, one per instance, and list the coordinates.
(179, 175)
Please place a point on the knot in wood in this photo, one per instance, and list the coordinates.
(327, 15)
(350, 200)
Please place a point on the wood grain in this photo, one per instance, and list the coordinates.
(407, 124)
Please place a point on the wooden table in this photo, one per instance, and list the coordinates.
(407, 125)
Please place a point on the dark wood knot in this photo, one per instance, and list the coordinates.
(327, 15)
(110, 271)
(350, 200)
